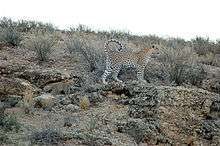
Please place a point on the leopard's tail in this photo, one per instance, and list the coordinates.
(115, 41)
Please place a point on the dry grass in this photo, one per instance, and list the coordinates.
(84, 103)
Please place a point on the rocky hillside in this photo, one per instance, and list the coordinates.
(51, 94)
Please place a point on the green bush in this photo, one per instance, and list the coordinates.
(10, 36)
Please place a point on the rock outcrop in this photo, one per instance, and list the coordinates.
(41, 78)
(180, 115)
(16, 86)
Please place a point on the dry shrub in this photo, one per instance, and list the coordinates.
(48, 136)
(26, 25)
(4, 139)
(216, 60)
(41, 43)
(208, 58)
(9, 123)
(88, 50)
(202, 46)
(10, 36)
(182, 65)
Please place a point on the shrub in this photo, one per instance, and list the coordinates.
(25, 26)
(90, 55)
(176, 43)
(209, 129)
(47, 136)
(140, 130)
(91, 137)
(42, 44)
(202, 46)
(10, 36)
(217, 50)
(81, 28)
(7, 23)
(3, 138)
(9, 123)
(2, 109)
(208, 58)
(194, 74)
(182, 66)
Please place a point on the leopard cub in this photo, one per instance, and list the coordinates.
(116, 59)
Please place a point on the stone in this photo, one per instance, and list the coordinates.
(72, 108)
(16, 86)
(43, 77)
(44, 101)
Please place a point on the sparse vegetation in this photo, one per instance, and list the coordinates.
(41, 44)
(202, 46)
(93, 58)
(2, 110)
(10, 36)
(47, 136)
(182, 65)
(25, 26)
(3, 137)
(113, 114)
(81, 28)
(9, 123)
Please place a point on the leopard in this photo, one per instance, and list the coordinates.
(115, 59)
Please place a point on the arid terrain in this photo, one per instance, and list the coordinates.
(51, 91)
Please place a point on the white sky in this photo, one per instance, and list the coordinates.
(173, 18)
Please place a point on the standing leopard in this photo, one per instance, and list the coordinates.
(116, 59)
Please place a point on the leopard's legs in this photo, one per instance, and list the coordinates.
(140, 73)
(107, 72)
(116, 69)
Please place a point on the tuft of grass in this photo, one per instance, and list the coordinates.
(42, 44)
(84, 103)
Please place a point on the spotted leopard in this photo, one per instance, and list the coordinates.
(116, 59)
